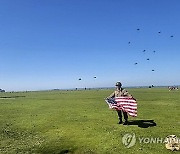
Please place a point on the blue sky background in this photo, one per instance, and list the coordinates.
(46, 44)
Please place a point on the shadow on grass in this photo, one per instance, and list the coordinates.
(9, 97)
(56, 151)
(142, 123)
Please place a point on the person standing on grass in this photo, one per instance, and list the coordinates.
(120, 92)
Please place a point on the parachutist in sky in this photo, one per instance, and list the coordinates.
(79, 78)
(152, 70)
(144, 50)
(147, 59)
(138, 29)
(135, 63)
(172, 36)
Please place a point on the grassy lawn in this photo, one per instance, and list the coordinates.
(80, 122)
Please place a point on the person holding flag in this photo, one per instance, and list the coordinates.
(122, 102)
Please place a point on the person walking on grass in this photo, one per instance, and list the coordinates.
(120, 92)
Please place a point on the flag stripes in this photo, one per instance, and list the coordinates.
(126, 104)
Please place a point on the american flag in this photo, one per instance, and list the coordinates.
(126, 104)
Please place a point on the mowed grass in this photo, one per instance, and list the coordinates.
(80, 122)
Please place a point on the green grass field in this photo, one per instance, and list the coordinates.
(80, 122)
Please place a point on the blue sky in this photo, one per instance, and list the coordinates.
(51, 44)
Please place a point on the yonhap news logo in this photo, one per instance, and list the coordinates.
(130, 139)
